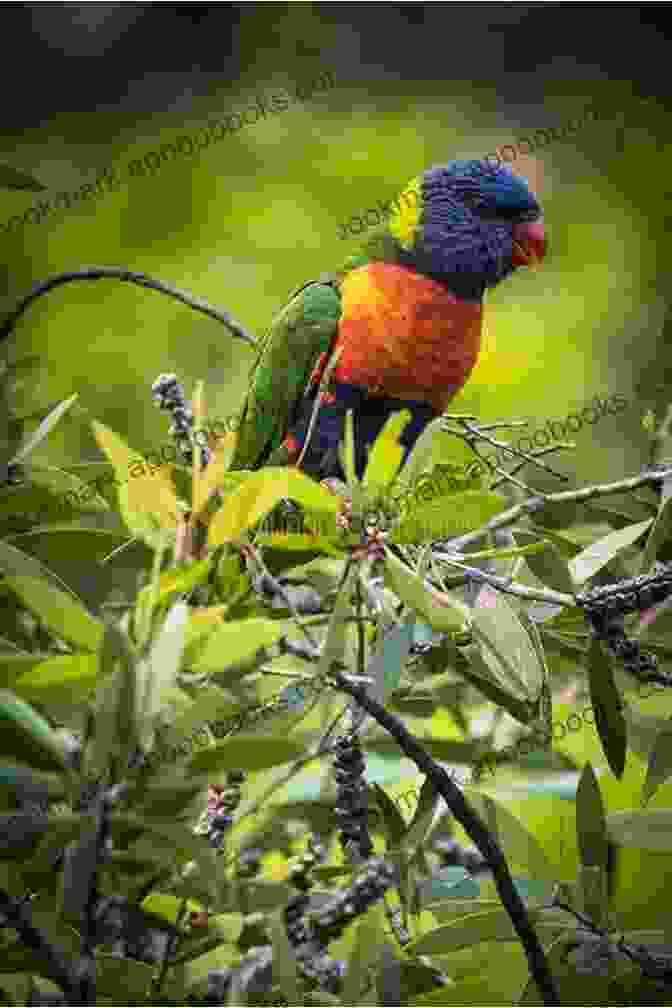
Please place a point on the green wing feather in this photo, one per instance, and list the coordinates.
(305, 328)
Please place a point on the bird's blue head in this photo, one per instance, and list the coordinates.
(469, 225)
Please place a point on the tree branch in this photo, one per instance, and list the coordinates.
(120, 273)
(17, 915)
(475, 829)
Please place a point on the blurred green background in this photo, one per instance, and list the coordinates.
(256, 214)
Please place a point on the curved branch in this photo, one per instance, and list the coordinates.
(18, 916)
(120, 273)
(475, 829)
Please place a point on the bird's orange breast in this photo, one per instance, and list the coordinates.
(403, 335)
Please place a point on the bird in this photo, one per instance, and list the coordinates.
(403, 315)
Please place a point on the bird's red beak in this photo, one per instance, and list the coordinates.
(529, 244)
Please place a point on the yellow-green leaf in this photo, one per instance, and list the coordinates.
(61, 679)
(249, 752)
(232, 643)
(596, 556)
(448, 516)
(140, 496)
(64, 616)
(409, 587)
(386, 453)
(259, 493)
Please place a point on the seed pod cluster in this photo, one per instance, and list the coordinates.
(169, 395)
(249, 862)
(352, 800)
(222, 802)
(626, 596)
(606, 606)
(331, 919)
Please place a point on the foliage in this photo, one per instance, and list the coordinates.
(215, 877)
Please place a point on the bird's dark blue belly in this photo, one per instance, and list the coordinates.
(370, 414)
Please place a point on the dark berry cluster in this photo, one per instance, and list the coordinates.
(334, 916)
(222, 801)
(641, 664)
(249, 862)
(606, 607)
(11, 474)
(396, 923)
(352, 800)
(169, 395)
(627, 596)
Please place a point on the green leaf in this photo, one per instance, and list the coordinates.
(12, 178)
(420, 454)
(297, 542)
(651, 831)
(593, 883)
(249, 752)
(59, 680)
(26, 736)
(410, 588)
(64, 616)
(285, 972)
(126, 980)
(518, 843)
(659, 767)
(386, 453)
(493, 925)
(661, 532)
(591, 829)
(422, 820)
(44, 428)
(365, 953)
(211, 704)
(236, 642)
(395, 827)
(438, 519)
(333, 649)
(596, 556)
(550, 566)
(168, 796)
(60, 483)
(607, 705)
(161, 668)
(479, 673)
(388, 663)
(507, 647)
(166, 906)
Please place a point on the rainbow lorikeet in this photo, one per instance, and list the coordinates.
(405, 314)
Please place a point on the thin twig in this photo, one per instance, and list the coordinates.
(255, 555)
(540, 501)
(506, 585)
(475, 829)
(121, 273)
(475, 433)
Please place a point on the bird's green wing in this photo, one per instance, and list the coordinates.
(303, 330)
